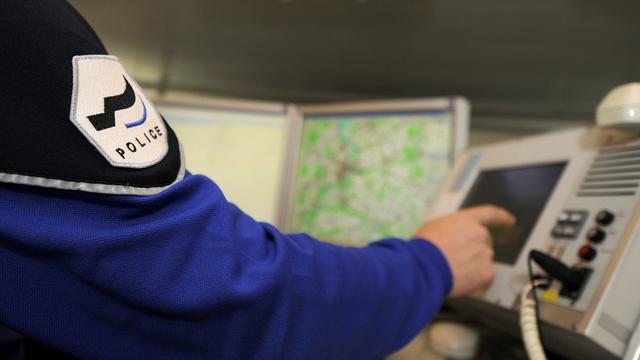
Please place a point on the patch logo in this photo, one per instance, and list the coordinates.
(113, 113)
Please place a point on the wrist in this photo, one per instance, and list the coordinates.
(434, 259)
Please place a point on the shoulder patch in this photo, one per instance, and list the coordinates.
(111, 111)
(73, 119)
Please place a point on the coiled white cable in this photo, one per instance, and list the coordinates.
(529, 325)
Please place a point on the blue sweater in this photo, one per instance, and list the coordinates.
(184, 274)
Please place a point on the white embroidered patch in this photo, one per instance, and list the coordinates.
(113, 113)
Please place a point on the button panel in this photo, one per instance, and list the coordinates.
(569, 224)
(596, 235)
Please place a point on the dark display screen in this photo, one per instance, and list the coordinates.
(523, 191)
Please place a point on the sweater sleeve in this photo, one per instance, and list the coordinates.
(186, 274)
(353, 302)
(372, 300)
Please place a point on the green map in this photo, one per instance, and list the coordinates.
(363, 178)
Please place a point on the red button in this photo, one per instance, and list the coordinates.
(587, 253)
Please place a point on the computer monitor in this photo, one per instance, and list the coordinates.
(369, 170)
(524, 190)
(241, 145)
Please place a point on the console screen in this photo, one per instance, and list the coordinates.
(523, 191)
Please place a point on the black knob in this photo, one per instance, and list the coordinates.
(605, 217)
(587, 253)
(596, 235)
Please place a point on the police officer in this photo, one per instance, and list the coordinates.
(110, 249)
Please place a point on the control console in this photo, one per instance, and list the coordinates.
(575, 194)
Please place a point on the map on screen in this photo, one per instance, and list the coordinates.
(363, 177)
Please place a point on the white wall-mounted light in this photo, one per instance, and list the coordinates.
(621, 107)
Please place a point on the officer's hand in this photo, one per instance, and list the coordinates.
(466, 243)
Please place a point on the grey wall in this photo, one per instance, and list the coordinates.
(545, 61)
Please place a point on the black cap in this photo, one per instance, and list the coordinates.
(39, 142)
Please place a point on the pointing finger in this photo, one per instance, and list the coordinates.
(491, 215)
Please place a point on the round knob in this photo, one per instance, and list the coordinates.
(605, 217)
(596, 235)
(587, 253)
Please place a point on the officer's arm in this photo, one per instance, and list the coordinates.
(304, 297)
(186, 274)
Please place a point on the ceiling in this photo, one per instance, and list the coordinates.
(514, 59)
